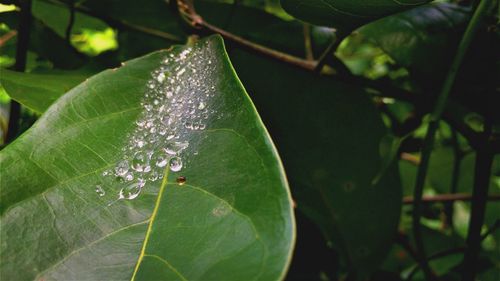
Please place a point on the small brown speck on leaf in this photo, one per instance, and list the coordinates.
(181, 180)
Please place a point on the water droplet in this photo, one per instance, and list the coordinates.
(122, 168)
(129, 177)
(201, 106)
(161, 161)
(100, 191)
(161, 77)
(175, 164)
(131, 191)
(181, 180)
(140, 161)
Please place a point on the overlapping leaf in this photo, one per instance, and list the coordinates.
(345, 13)
(328, 135)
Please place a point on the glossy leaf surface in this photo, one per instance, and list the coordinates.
(224, 214)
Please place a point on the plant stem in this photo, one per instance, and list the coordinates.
(23, 38)
(435, 116)
(482, 173)
(443, 198)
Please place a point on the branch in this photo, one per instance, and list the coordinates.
(451, 197)
(188, 12)
(7, 36)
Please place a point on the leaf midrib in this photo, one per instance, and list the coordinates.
(151, 221)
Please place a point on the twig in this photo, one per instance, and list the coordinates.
(71, 21)
(433, 125)
(283, 57)
(187, 11)
(450, 197)
(415, 160)
(21, 54)
(482, 173)
(7, 36)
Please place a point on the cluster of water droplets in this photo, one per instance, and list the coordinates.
(175, 103)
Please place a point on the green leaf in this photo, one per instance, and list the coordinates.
(38, 91)
(345, 13)
(328, 135)
(221, 212)
(421, 35)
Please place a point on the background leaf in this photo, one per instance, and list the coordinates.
(345, 13)
(330, 165)
(38, 91)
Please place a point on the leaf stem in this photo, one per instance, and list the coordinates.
(20, 65)
(435, 116)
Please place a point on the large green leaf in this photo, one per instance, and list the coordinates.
(328, 134)
(38, 91)
(425, 34)
(221, 212)
(345, 13)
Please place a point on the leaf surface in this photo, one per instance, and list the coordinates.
(422, 35)
(38, 91)
(220, 212)
(345, 13)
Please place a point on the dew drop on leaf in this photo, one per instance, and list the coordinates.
(175, 164)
